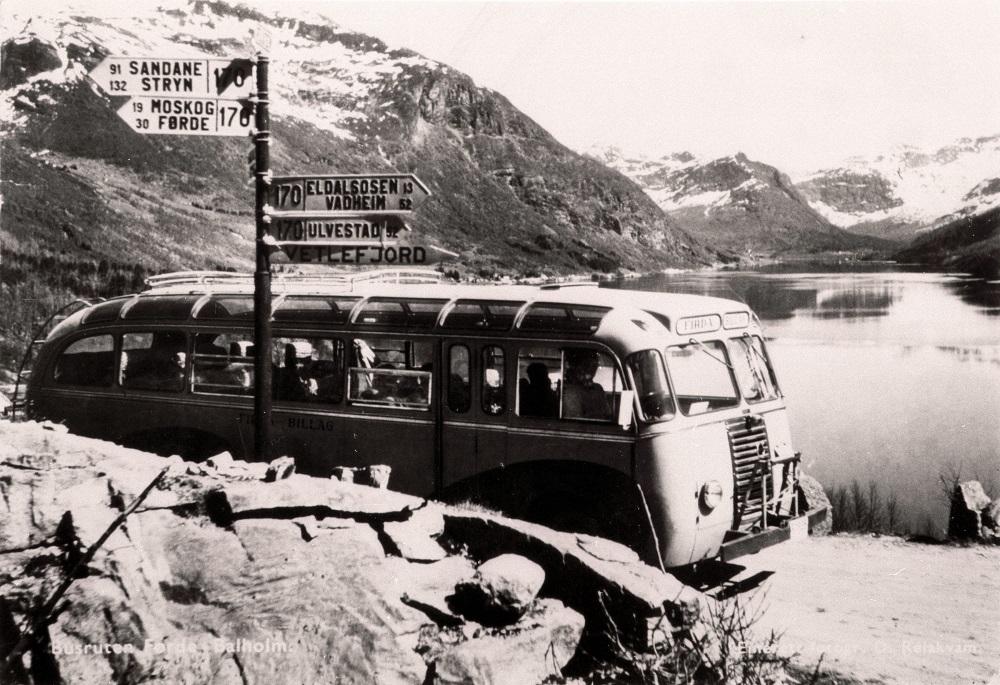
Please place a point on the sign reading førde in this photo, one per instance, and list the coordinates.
(347, 194)
(183, 77)
(188, 116)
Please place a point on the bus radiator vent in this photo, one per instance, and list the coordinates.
(751, 464)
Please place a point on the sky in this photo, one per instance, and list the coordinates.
(800, 85)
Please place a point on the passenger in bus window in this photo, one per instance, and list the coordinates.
(158, 367)
(288, 383)
(583, 397)
(537, 396)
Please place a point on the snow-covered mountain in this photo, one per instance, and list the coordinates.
(734, 202)
(905, 190)
(82, 188)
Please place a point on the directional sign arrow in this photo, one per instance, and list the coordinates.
(339, 194)
(188, 116)
(231, 79)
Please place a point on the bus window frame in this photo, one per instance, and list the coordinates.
(186, 377)
(698, 343)
(514, 409)
(50, 376)
(360, 405)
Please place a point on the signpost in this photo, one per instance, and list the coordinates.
(177, 77)
(333, 219)
(188, 116)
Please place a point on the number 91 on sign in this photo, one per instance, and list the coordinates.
(188, 116)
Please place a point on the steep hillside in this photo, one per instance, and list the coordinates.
(896, 194)
(507, 196)
(970, 243)
(736, 204)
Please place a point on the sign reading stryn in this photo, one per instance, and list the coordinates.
(347, 194)
(188, 116)
(178, 77)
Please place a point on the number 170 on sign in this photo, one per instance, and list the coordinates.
(188, 116)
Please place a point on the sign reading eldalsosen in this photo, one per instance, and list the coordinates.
(346, 219)
(348, 193)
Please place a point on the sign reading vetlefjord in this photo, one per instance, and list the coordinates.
(178, 77)
(347, 194)
(188, 116)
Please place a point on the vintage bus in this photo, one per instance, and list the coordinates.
(654, 417)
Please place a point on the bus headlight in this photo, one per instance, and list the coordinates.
(711, 494)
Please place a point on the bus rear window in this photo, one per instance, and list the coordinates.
(701, 376)
(88, 361)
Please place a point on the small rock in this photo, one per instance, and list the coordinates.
(967, 503)
(501, 591)
(55, 427)
(535, 649)
(279, 469)
(224, 460)
(376, 475)
(991, 516)
(414, 538)
(344, 474)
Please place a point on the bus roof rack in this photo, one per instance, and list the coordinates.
(293, 281)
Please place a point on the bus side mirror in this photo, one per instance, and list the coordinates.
(626, 408)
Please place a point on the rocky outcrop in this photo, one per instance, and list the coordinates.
(187, 572)
(20, 60)
(970, 517)
(815, 498)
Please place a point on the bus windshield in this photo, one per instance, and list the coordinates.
(752, 368)
(702, 377)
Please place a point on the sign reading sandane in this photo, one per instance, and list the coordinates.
(184, 77)
(347, 194)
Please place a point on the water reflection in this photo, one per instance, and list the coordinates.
(892, 374)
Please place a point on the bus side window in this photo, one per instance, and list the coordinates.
(459, 379)
(539, 372)
(223, 364)
(308, 370)
(153, 361)
(494, 394)
(391, 372)
(591, 387)
(88, 361)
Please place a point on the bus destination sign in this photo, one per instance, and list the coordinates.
(188, 116)
(347, 194)
(232, 79)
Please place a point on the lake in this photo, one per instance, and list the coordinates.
(891, 374)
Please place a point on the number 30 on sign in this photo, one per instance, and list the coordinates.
(188, 116)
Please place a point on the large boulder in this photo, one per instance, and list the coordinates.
(991, 521)
(537, 647)
(815, 498)
(501, 591)
(967, 504)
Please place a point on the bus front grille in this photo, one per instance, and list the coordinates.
(751, 463)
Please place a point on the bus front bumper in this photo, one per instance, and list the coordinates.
(737, 543)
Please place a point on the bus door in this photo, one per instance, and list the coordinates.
(474, 409)
(567, 405)
(390, 409)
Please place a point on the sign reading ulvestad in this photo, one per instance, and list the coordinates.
(347, 193)
(188, 116)
(178, 77)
